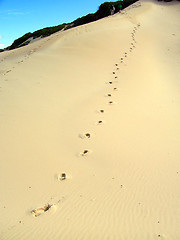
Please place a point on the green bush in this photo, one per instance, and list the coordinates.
(83, 20)
(20, 40)
(47, 31)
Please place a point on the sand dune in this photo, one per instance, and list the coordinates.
(89, 125)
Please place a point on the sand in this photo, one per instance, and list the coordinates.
(89, 126)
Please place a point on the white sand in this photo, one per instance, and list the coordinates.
(51, 94)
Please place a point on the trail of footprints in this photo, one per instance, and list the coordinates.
(85, 152)
(23, 59)
(64, 176)
(113, 82)
(87, 135)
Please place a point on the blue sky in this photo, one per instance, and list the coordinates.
(18, 17)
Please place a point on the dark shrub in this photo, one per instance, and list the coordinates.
(20, 40)
(83, 20)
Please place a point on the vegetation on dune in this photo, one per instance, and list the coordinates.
(22, 41)
(103, 11)
(47, 31)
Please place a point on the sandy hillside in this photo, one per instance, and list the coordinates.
(100, 103)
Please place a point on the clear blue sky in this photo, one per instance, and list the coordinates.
(18, 17)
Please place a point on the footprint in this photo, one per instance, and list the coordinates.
(110, 102)
(85, 152)
(62, 176)
(85, 135)
(108, 95)
(115, 89)
(100, 122)
(113, 72)
(38, 211)
(88, 135)
(110, 82)
(101, 111)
